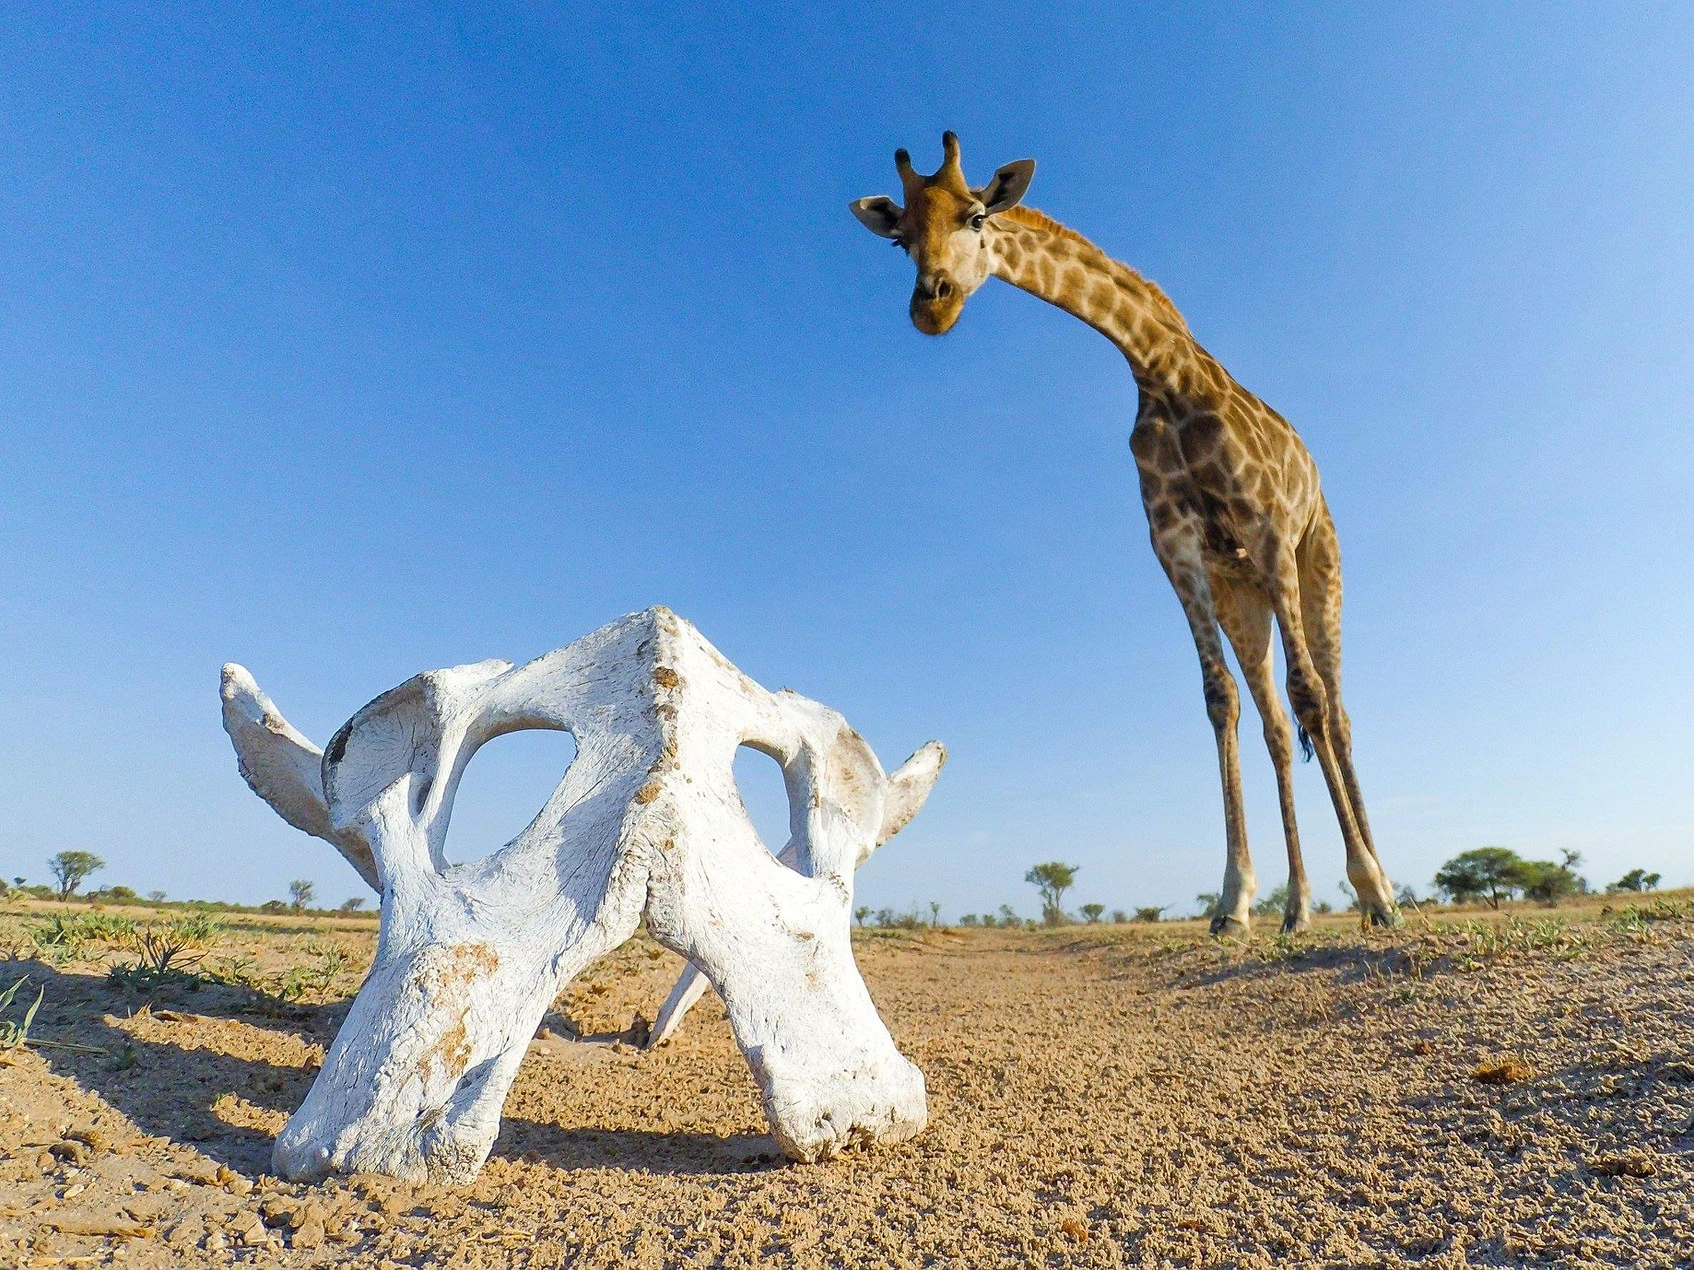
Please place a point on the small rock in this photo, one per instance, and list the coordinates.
(251, 1233)
(46, 1162)
(309, 1234)
(186, 1232)
(216, 1241)
(1629, 1164)
(72, 1191)
(277, 1211)
(1506, 1070)
(91, 1138)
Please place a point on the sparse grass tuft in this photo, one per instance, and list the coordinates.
(167, 953)
(15, 1036)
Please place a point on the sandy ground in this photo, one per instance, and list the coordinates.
(1099, 1096)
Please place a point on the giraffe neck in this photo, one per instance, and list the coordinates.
(1040, 256)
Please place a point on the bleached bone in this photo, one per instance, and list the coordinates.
(907, 789)
(647, 822)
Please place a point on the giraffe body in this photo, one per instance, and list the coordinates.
(1235, 508)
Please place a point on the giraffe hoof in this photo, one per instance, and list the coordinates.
(1227, 927)
(1384, 917)
(1294, 923)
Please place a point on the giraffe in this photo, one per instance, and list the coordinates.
(1234, 507)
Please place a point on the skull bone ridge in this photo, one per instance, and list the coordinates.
(647, 824)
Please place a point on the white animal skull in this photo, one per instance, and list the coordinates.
(647, 823)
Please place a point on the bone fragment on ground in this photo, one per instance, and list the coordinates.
(646, 824)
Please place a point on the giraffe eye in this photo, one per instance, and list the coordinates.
(978, 219)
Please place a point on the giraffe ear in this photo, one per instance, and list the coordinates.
(1008, 186)
(879, 214)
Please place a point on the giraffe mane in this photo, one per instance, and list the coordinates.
(1036, 219)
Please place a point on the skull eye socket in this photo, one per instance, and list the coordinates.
(507, 781)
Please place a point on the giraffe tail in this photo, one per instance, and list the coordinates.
(1305, 743)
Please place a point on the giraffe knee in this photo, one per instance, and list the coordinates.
(1223, 701)
(1311, 707)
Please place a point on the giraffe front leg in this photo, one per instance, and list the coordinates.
(1233, 913)
(1245, 615)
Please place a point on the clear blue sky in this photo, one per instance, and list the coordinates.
(351, 343)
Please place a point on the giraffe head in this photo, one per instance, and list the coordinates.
(942, 229)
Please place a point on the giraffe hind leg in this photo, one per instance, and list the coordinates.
(1309, 693)
(1319, 562)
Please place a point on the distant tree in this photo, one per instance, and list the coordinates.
(935, 913)
(1352, 900)
(861, 913)
(1091, 912)
(352, 905)
(300, 894)
(158, 897)
(969, 919)
(1008, 917)
(274, 906)
(1052, 879)
(1406, 896)
(1323, 906)
(1549, 883)
(71, 867)
(1150, 913)
(20, 882)
(1491, 873)
(1273, 904)
(1634, 880)
(1119, 917)
(1208, 902)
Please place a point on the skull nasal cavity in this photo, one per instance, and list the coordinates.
(508, 781)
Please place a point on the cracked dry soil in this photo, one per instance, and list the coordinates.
(1099, 1096)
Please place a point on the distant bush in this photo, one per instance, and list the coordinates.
(969, 919)
(1273, 904)
(274, 906)
(1634, 880)
(888, 919)
(357, 902)
(1091, 913)
(1151, 913)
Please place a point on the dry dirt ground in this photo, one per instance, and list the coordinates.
(1472, 1090)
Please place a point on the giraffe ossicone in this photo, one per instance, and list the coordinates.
(1234, 506)
(646, 825)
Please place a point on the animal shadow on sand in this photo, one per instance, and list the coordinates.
(176, 1091)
